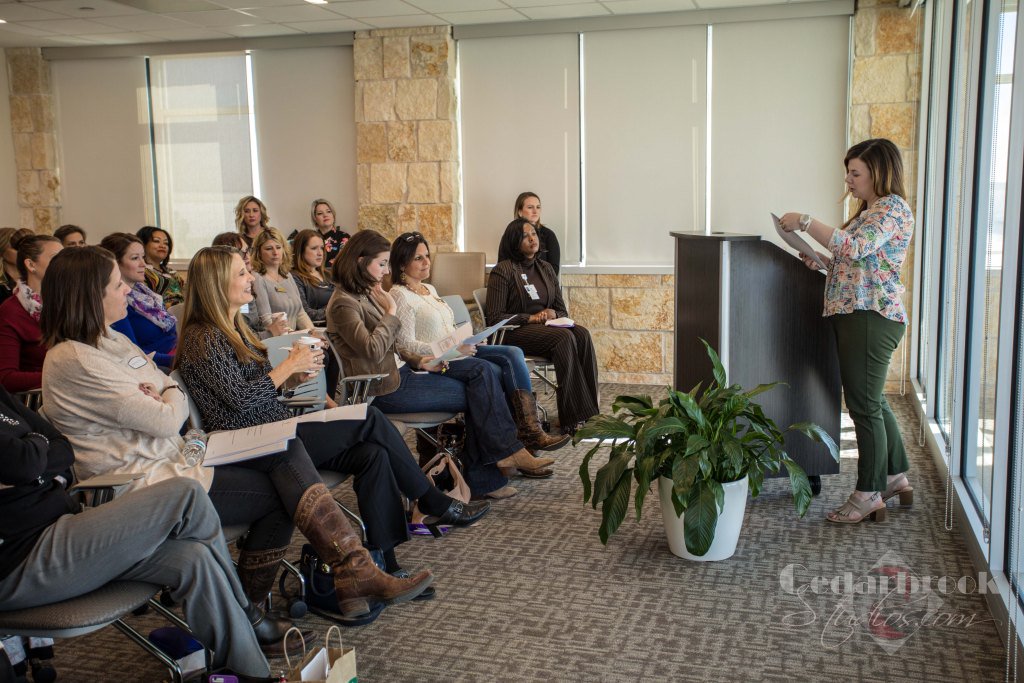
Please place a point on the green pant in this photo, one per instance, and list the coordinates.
(865, 341)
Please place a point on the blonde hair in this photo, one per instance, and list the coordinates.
(300, 268)
(240, 206)
(312, 210)
(206, 302)
(257, 244)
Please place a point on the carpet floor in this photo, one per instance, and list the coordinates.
(530, 594)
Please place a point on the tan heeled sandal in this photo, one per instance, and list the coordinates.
(873, 508)
(901, 487)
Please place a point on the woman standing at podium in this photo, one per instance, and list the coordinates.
(863, 305)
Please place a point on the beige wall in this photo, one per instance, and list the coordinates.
(9, 215)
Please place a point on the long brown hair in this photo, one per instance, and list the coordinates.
(349, 270)
(206, 303)
(885, 165)
(73, 289)
(300, 268)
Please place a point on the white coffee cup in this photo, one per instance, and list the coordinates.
(313, 343)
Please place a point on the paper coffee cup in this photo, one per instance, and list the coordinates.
(312, 343)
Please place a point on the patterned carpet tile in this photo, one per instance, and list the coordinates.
(530, 594)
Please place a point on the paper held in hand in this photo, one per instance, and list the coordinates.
(561, 322)
(794, 240)
(447, 348)
(237, 445)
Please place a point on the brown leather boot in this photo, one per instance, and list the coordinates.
(257, 570)
(524, 461)
(524, 410)
(357, 580)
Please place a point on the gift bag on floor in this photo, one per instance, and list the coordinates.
(323, 664)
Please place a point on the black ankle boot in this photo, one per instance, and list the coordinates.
(270, 630)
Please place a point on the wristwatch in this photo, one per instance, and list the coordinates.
(805, 221)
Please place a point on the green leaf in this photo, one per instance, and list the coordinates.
(817, 434)
(634, 404)
(684, 471)
(608, 477)
(645, 471)
(695, 443)
(604, 427)
(658, 427)
(585, 472)
(692, 410)
(613, 511)
(800, 485)
(734, 451)
(701, 519)
(716, 365)
(761, 388)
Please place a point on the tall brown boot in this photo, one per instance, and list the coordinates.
(357, 580)
(524, 410)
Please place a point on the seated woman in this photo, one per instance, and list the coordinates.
(160, 277)
(70, 235)
(308, 268)
(169, 535)
(275, 289)
(148, 324)
(363, 327)
(9, 267)
(21, 349)
(231, 380)
(250, 218)
(426, 318)
(526, 289)
(528, 207)
(123, 415)
(278, 325)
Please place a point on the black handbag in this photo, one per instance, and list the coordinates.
(320, 595)
(451, 435)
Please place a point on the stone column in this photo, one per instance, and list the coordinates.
(407, 144)
(885, 101)
(39, 193)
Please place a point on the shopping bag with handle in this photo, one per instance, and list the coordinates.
(323, 664)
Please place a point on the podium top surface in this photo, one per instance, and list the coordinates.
(716, 236)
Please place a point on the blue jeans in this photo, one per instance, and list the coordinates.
(471, 386)
(515, 376)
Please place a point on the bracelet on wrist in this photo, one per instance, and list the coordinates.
(805, 222)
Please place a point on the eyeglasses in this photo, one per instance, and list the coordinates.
(413, 236)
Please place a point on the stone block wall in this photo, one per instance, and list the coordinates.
(885, 103)
(35, 144)
(406, 138)
(630, 320)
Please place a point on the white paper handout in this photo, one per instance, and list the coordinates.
(447, 348)
(356, 412)
(561, 322)
(237, 445)
(794, 240)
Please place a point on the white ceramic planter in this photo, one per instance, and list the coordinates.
(727, 531)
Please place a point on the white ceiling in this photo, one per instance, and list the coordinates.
(117, 22)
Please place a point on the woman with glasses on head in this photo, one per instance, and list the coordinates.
(427, 318)
(276, 290)
(315, 288)
(21, 348)
(363, 326)
(527, 207)
(148, 323)
(250, 218)
(525, 288)
(160, 277)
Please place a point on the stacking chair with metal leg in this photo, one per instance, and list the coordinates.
(540, 367)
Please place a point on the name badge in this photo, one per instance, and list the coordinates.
(280, 290)
(532, 291)
(244, 309)
(136, 362)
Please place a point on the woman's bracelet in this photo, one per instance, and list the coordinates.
(805, 222)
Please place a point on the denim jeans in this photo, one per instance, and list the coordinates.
(471, 386)
(515, 375)
(244, 495)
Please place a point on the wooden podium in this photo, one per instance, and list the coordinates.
(760, 308)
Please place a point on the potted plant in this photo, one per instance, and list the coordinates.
(701, 444)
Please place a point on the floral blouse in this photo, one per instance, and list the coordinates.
(166, 283)
(864, 273)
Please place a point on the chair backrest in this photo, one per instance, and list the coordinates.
(458, 307)
(458, 272)
(195, 419)
(278, 349)
(480, 297)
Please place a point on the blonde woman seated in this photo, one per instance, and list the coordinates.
(250, 218)
(122, 414)
(363, 326)
(275, 289)
(426, 318)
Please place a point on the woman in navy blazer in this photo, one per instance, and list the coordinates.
(148, 324)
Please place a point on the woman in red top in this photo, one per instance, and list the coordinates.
(21, 353)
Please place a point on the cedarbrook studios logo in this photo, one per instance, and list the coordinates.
(888, 602)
